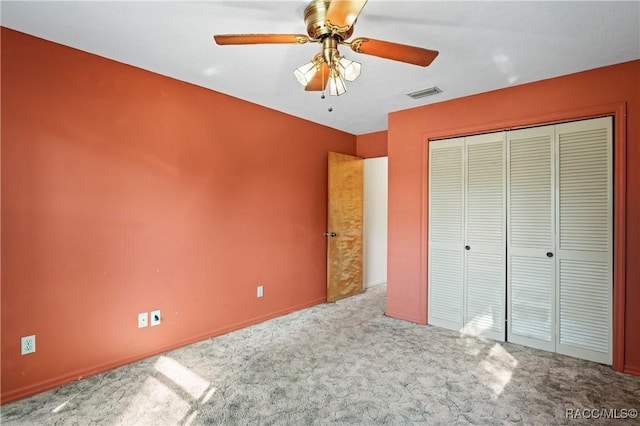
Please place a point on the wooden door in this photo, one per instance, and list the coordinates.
(344, 227)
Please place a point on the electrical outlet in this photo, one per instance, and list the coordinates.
(260, 291)
(28, 344)
(155, 318)
(143, 320)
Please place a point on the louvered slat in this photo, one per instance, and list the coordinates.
(446, 191)
(584, 195)
(485, 189)
(530, 192)
(584, 304)
(446, 286)
(485, 294)
(531, 298)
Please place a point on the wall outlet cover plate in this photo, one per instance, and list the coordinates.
(28, 344)
(156, 318)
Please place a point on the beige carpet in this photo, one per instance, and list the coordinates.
(342, 363)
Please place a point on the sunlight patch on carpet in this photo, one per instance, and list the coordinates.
(497, 369)
(155, 404)
(189, 381)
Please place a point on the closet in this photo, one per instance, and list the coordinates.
(520, 237)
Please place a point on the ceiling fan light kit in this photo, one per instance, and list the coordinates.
(336, 83)
(305, 73)
(331, 23)
(349, 69)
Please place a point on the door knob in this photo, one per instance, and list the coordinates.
(330, 234)
(549, 254)
(467, 248)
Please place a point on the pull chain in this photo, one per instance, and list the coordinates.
(322, 96)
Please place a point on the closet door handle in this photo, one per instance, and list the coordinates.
(467, 248)
(549, 254)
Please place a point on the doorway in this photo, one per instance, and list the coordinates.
(375, 221)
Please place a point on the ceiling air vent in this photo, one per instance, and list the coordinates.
(424, 92)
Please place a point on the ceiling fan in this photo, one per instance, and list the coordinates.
(331, 23)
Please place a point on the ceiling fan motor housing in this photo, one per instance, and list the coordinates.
(315, 17)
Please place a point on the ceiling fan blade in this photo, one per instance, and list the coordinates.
(226, 39)
(395, 51)
(319, 81)
(341, 14)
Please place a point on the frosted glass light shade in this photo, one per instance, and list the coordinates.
(305, 73)
(336, 83)
(349, 69)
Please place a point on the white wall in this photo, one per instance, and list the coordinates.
(375, 221)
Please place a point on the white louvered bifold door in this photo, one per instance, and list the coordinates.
(584, 255)
(531, 242)
(446, 215)
(484, 298)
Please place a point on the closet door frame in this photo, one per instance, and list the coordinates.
(544, 116)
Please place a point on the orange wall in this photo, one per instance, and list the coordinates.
(579, 95)
(124, 191)
(372, 145)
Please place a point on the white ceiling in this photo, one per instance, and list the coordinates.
(483, 46)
